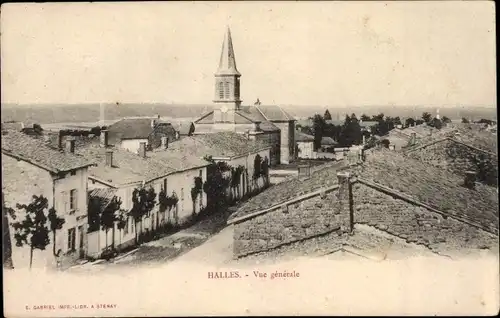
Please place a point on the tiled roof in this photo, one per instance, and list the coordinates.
(432, 186)
(38, 152)
(127, 167)
(267, 126)
(178, 156)
(130, 128)
(220, 144)
(274, 113)
(302, 137)
(321, 176)
(252, 112)
(185, 128)
(327, 141)
(104, 196)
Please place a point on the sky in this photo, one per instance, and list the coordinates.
(300, 53)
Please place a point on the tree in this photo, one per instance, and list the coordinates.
(436, 123)
(409, 122)
(318, 128)
(108, 218)
(427, 117)
(327, 115)
(446, 120)
(32, 231)
(217, 183)
(419, 122)
(143, 201)
(365, 117)
(121, 222)
(350, 132)
(56, 223)
(465, 120)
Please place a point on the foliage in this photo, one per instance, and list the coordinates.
(56, 223)
(196, 190)
(419, 122)
(327, 115)
(32, 231)
(143, 202)
(217, 183)
(318, 128)
(436, 123)
(365, 117)
(409, 122)
(427, 117)
(257, 167)
(109, 216)
(465, 120)
(446, 120)
(351, 132)
(166, 202)
(485, 121)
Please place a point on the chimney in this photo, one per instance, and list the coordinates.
(304, 171)
(164, 142)
(109, 158)
(104, 138)
(142, 149)
(470, 179)
(257, 126)
(59, 140)
(413, 139)
(345, 206)
(70, 144)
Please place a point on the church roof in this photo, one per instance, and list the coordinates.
(274, 113)
(227, 63)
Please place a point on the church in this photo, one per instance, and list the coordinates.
(268, 123)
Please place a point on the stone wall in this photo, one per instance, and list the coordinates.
(458, 158)
(323, 213)
(416, 224)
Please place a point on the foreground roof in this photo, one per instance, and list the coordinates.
(435, 187)
(38, 152)
(136, 128)
(274, 113)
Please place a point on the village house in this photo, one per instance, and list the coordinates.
(368, 207)
(128, 133)
(31, 167)
(269, 124)
(305, 147)
(120, 172)
(232, 148)
(459, 151)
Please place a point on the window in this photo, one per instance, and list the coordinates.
(73, 200)
(71, 239)
(73, 172)
(221, 90)
(226, 89)
(201, 173)
(165, 185)
(182, 194)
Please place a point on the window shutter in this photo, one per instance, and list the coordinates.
(76, 199)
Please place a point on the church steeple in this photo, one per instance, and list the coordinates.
(227, 62)
(227, 78)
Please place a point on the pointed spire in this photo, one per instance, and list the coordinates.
(227, 63)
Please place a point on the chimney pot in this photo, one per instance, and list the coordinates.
(109, 158)
(70, 144)
(104, 138)
(142, 149)
(470, 179)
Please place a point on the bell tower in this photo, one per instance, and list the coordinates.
(227, 80)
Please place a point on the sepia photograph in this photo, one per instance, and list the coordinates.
(249, 158)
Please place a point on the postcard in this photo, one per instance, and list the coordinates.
(249, 158)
